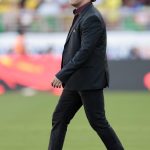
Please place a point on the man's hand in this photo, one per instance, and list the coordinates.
(56, 83)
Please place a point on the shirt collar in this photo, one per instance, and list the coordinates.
(79, 10)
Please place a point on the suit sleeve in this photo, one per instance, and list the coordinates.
(91, 31)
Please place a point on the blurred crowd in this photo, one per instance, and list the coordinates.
(27, 17)
(56, 15)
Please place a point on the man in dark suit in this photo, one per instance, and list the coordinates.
(83, 74)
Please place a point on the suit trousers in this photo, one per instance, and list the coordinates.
(93, 103)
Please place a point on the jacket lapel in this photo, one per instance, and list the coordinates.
(77, 22)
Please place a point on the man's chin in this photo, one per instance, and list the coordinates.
(74, 5)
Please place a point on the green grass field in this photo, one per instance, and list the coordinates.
(25, 122)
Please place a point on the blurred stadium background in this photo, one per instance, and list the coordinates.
(32, 35)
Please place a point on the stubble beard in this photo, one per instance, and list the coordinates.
(75, 4)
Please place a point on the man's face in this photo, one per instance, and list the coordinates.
(76, 3)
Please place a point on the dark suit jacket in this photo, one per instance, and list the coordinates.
(84, 62)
